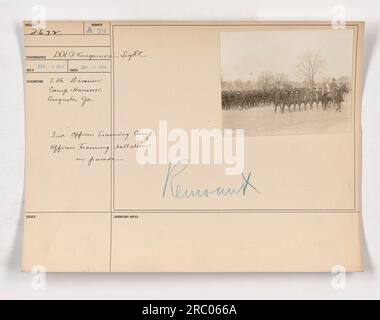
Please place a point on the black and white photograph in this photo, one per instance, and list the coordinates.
(287, 81)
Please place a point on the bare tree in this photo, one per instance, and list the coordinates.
(238, 84)
(281, 80)
(265, 81)
(309, 68)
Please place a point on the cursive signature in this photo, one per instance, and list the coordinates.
(176, 190)
(133, 54)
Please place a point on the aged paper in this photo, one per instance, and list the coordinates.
(197, 146)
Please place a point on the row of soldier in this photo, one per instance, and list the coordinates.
(282, 99)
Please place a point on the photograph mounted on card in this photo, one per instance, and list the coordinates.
(193, 146)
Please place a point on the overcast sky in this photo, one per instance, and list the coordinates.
(243, 53)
